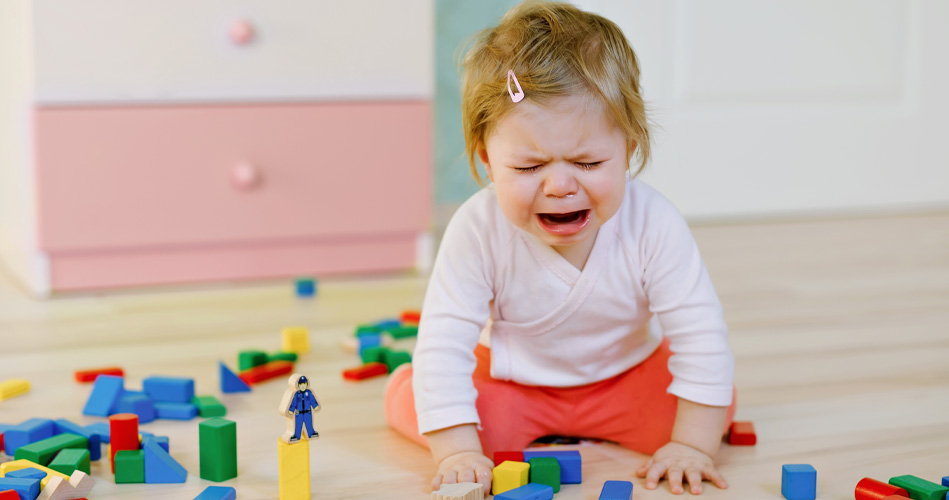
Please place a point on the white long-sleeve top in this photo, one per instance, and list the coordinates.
(554, 325)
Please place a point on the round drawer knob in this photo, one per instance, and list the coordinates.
(245, 176)
(241, 32)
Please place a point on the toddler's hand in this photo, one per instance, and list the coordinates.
(464, 467)
(675, 460)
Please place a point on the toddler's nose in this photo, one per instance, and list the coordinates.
(560, 183)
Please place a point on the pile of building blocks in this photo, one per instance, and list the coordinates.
(534, 473)
(160, 398)
(256, 366)
(373, 343)
(217, 441)
(142, 459)
(13, 387)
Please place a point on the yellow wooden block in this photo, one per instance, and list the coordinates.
(509, 475)
(13, 387)
(293, 461)
(8, 467)
(296, 339)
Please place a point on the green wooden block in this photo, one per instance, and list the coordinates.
(41, 452)
(209, 406)
(250, 358)
(282, 356)
(375, 354)
(70, 460)
(545, 470)
(217, 440)
(395, 358)
(402, 332)
(367, 330)
(129, 466)
(920, 489)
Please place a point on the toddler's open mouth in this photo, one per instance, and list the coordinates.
(566, 223)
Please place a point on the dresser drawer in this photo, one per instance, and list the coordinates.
(171, 176)
(180, 51)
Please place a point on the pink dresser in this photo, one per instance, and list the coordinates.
(180, 141)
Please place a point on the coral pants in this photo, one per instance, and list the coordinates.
(632, 408)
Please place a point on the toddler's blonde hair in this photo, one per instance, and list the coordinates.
(555, 50)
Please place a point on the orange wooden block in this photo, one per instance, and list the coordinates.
(366, 371)
(742, 433)
(266, 372)
(411, 316)
(91, 374)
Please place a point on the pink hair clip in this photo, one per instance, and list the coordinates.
(515, 96)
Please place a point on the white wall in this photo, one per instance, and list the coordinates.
(794, 107)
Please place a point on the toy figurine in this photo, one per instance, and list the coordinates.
(299, 404)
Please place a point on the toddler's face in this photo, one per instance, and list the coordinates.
(559, 170)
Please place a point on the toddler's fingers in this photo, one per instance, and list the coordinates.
(483, 476)
(641, 471)
(694, 477)
(450, 477)
(466, 476)
(654, 474)
(436, 482)
(712, 474)
(674, 475)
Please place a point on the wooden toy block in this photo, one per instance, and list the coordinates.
(616, 490)
(530, 491)
(129, 466)
(502, 456)
(798, 482)
(365, 371)
(459, 491)
(387, 323)
(217, 441)
(410, 316)
(250, 358)
(742, 433)
(920, 489)
(393, 359)
(106, 391)
(169, 389)
(159, 466)
(266, 372)
(945, 481)
(70, 460)
(871, 489)
(25, 488)
(100, 429)
(401, 332)
(141, 405)
(42, 452)
(176, 411)
(305, 287)
(77, 486)
(91, 374)
(230, 382)
(545, 470)
(296, 339)
(209, 406)
(13, 387)
(219, 493)
(9, 495)
(374, 354)
(293, 462)
(123, 434)
(95, 443)
(367, 341)
(8, 467)
(283, 356)
(367, 330)
(28, 473)
(30, 431)
(571, 463)
(509, 475)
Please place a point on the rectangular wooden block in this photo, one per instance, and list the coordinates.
(209, 406)
(42, 452)
(13, 387)
(70, 460)
(217, 440)
(742, 433)
(129, 466)
(266, 372)
(90, 375)
(293, 462)
(459, 491)
(920, 489)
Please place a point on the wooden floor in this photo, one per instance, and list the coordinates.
(840, 330)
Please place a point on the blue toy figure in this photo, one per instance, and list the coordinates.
(302, 407)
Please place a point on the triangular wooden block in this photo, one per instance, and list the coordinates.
(230, 382)
(159, 466)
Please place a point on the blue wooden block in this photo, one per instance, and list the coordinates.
(388, 323)
(230, 382)
(369, 340)
(28, 432)
(798, 482)
(169, 389)
(159, 466)
(945, 480)
(616, 490)
(163, 442)
(106, 391)
(571, 464)
(530, 491)
(100, 429)
(95, 442)
(306, 287)
(217, 493)
(28, 489)
(141, 405)
(176, 411)
(28, 473)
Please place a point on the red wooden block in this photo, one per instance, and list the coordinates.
(9, 495)
(266, 372)
(123, 434)
(871, 489)
(742, 433)
(1, 441)
(366, 371)
(91, 374)
(514, 456)
(411, 316)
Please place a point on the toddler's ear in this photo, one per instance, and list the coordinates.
(483, 155)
